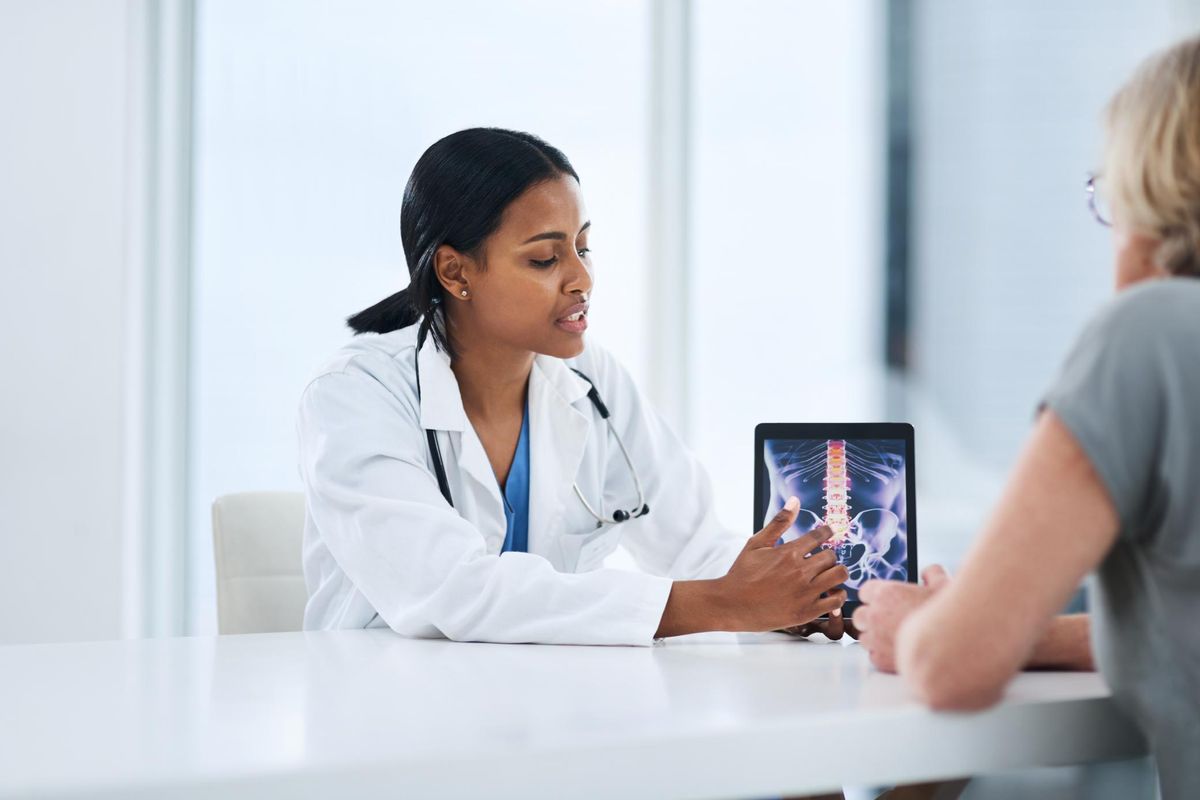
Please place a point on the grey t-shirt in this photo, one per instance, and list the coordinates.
(1130, 394)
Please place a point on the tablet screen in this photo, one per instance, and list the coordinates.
(859, 487)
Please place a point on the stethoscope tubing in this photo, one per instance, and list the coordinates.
(617, 517)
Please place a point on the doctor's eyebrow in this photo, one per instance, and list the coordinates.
(557, 235)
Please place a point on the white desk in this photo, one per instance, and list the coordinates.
(369, 714)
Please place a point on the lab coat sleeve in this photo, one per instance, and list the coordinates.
(425, 569)
(681, 537)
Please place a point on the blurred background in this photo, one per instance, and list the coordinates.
(803, 211)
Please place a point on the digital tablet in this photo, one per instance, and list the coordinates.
(857, 478)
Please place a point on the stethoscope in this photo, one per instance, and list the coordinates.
(618, 516)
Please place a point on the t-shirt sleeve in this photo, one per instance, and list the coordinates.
(1111, 394)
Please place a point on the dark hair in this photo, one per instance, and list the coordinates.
(456, 195)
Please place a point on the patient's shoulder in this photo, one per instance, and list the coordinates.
(1154, 306)
(1157, 317)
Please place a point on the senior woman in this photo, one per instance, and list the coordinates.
(1109, 480)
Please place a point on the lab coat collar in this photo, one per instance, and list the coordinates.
(441, 401)
(561, 378)
(558, 435)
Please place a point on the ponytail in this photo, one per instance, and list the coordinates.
(389, 314)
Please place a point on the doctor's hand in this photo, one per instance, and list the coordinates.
(886, 604)
(833, 628)
(766, 589)
(771, 587)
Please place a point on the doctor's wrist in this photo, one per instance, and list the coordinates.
(695, 607)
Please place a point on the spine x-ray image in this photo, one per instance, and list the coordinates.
(857, 488)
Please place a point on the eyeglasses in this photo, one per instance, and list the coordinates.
(1097, 202)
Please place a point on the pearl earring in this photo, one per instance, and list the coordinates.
(463, 292)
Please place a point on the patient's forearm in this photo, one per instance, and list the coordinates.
(1066, 644)
(1054, 524)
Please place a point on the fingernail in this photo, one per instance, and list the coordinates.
(837, 612)
(792, 504)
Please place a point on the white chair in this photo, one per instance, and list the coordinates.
(256, 547)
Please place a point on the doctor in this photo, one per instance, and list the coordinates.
(469, 463)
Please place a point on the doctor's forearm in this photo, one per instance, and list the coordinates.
(693, 607)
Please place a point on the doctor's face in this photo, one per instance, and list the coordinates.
(531, 290)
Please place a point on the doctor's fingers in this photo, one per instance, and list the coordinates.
(814, 564)
(830, 578)
(827, 605)
(778, 525)
(834, 627)
(809, 541)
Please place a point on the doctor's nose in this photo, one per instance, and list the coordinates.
(581, 290)
(581, 284)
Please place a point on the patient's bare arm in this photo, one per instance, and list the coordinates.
(1066, 644)
(1053, 525)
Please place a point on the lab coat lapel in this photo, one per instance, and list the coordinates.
(558, 435)
(442, 410)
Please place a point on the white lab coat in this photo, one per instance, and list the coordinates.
(382, 546)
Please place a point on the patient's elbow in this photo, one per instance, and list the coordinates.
(955, 693)
(946, 680)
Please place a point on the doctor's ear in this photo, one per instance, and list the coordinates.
(450, 266)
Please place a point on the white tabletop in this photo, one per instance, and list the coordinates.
(371, 714)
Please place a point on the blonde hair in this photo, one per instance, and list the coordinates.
(1152, 158)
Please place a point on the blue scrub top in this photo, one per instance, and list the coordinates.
(516, 494)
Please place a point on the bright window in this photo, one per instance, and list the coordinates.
(309, 118)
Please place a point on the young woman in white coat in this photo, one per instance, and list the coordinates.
(469, 462)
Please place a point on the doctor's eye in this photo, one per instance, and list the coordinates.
(583, 251)
(549, 262)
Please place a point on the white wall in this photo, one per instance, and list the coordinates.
(1007, 261)
(62, 166)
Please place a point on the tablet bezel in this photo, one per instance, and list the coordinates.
(841, 430)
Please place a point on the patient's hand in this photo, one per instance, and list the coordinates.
(886, 604)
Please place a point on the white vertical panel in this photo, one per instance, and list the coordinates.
(670, 238)
(62, 314)
(162, 261)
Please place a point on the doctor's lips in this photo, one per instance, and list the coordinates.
(575, 318)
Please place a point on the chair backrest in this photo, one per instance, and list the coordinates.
(256, 547)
